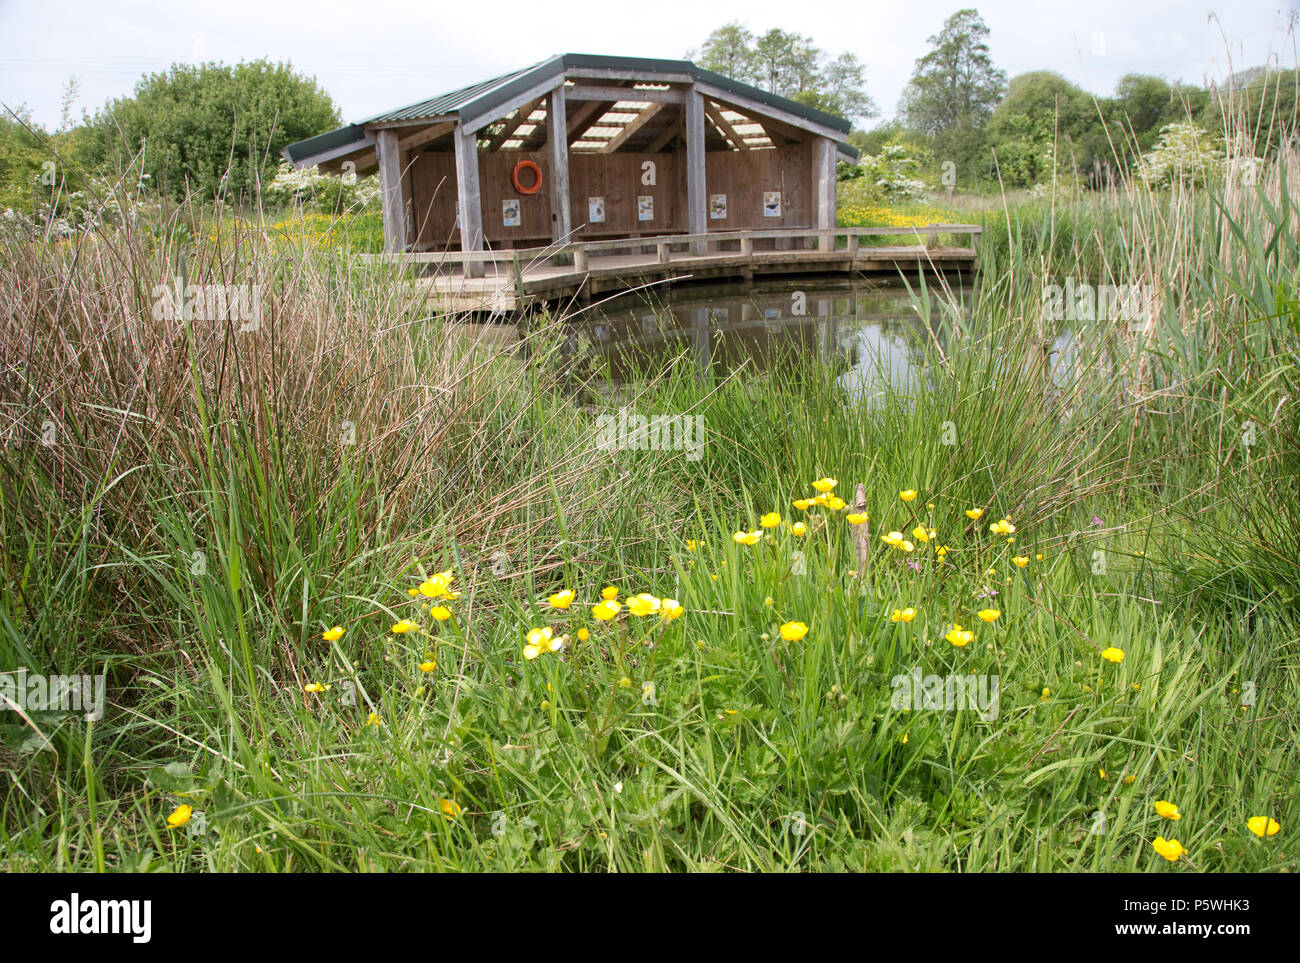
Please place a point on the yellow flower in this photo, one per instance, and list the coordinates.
(1113, 654)
(897, 541)
(1038, 557)
(561, 600)
(624, 682)
(404, 626)
(793, 631)
(692, 545)
(314, 687)
(374, 720)
(180, 815)
(1129, 780)
(436, 586)
(798, 529)
(1021, 560)
(834, 502)
(923, 534)
(542, 640)
(1003, 527)
(908, 495)
(959, 637)
(988, 615)
(609, 593)
(440, 612)
(606, 610)
(974, 513)
(450, 808)
(428, 666)
(1102, 773)
(1262, 826)
(824, 485)
(332, 635)
(413, 592)
(1168, 810)
(747, 538)
(941, 551)
(671, 609)
(902, 615)
(643, 604)
(803, 504)
(583, 635)
(855, 518)
(1170, 849)
(770, 520)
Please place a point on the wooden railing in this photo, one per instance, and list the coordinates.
(579, 253)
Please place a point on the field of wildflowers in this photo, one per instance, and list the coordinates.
(369, 594)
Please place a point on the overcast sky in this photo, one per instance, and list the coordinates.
(380, 54)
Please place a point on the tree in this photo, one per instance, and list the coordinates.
(212, 128)
(729, 51)
(955, 85)
(1038, 127)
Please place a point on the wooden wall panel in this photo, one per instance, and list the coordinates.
(744, 176)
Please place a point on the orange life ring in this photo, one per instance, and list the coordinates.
(527, 165)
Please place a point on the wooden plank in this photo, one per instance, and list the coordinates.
(343, 151)
(756, 109)
(583, 118)
(671, 131)
(729, 132)
(514, 123)
(471, 210)
(474, 124)
(426, 135)
(589, 92)
(558, 148)
(631, 128)
(392, 203)
(823, 162)
(600, 73)
(697, 214)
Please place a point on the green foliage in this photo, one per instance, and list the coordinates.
(213, 129)
(955, 85)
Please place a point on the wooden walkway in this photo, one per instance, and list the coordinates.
(500, 282)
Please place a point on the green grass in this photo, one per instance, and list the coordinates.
(215, 501)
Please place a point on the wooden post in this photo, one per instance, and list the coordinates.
(471, 210)
(661, 252)
(392, 184)
(747, 245)
(824, 178)
(697, 215)
(558, 144)
(519, 279)
(580, 257)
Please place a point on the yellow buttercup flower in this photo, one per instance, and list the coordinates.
(1170, 849)
(583, 635)
(941, 551)
(1113, 654)
(692, 545)
(896, 540)
(1168, 810)
(643, 604)
(1263, 826)
(834, 502)
(314, 687)
(793, 631)
(959, 637)
(428, 666)
(824, 485)
(902, 615)
(562, 599)
(440, 612)
(855, 518)
(1021, 561)
(770, 520)
(374, 720)
(437, 586)
(907, 496)
(1038, 557)
(542, 640)
(923, 534)
(671, 609)
(988, 615)
(332, 635)
(609, 593)
(605, 610)
(450, 808)
(1003, 527)
(747, 538)
(404, 626)
(803, 504)
(974, 513)
(798, 529)
(180, 815)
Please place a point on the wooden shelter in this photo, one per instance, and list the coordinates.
(584, 148)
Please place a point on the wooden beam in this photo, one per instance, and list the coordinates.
(729, 132)
(757, 110)
(590, 92)
(580, 121)
(325, 157)
(640, 77)
(669, 132)
(391, 183)
(474, 124)
(697, 215)
(558, 145)
(514, 123)
(823, 163)
(467, 195)
(631, 128)
(426, 135)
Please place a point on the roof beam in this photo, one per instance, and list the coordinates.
(729, 132)
(520, 118)
(631, 128)
(426, 135)
(640, 77)
(583, 118)
(352, 147)
(470, 125)
(591, 92)
(755, 109)
(671, 131)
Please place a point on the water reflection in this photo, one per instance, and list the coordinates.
(870, 335)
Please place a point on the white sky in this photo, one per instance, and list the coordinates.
(381, 54)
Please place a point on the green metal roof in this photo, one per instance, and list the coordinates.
(478, 99)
